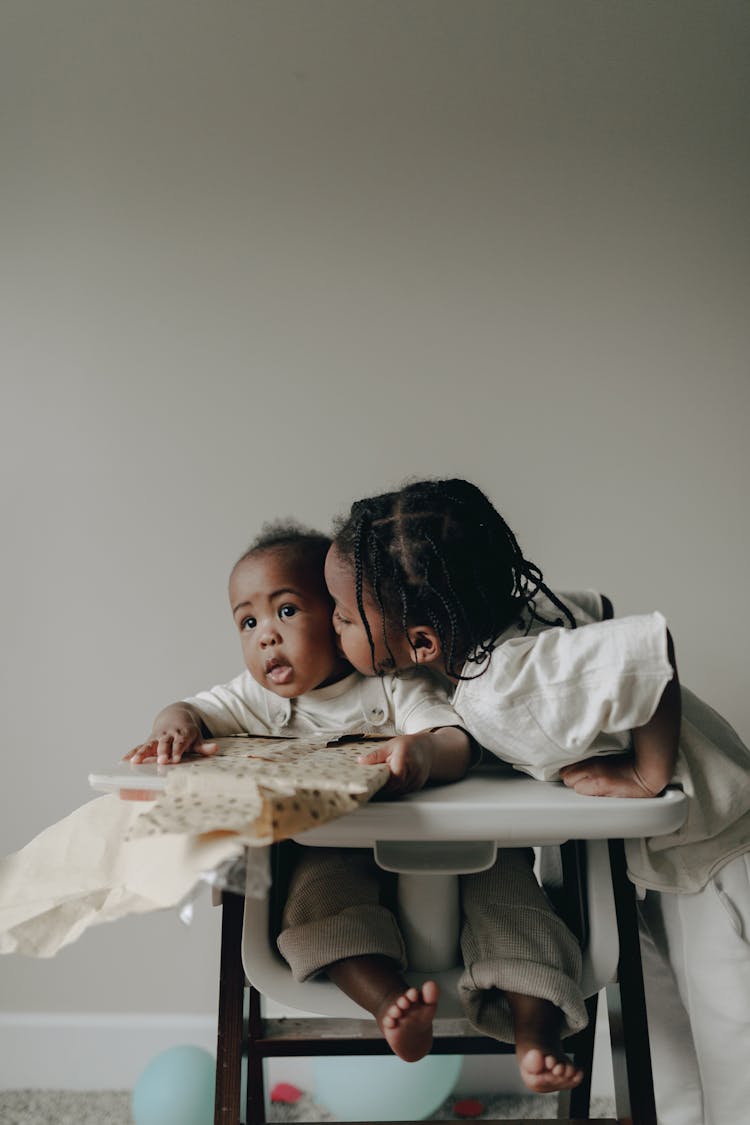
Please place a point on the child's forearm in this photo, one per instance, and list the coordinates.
(657, 742)
(451, 756)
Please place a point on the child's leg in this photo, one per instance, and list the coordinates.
(677, 1083)
(522, 967)
(705, 939)
(334, 922)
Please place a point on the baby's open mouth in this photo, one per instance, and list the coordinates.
(279, 672)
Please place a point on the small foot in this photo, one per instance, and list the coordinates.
(405, 1018)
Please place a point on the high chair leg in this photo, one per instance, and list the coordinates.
(626, 1004)
(230, 1021)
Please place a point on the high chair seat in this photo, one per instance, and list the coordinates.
(429, 838)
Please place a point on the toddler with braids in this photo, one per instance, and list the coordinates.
(431, 575)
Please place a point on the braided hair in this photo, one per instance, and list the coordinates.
(438, 552)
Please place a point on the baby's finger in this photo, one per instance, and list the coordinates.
(376, 756)
(137, 755)
(180, 743)
(207, 749)
(398, 761)
(164, 749)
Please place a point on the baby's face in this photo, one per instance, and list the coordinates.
(284, 620)
(348, 623)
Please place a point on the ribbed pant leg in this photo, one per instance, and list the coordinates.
(333, 910)
(512, 940)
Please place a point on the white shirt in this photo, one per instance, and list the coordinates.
(545, 701)
(559, 695)
(403, 704)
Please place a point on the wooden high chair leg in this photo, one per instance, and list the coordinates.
(230, 1022)
(255, 1101)
(626, 1005)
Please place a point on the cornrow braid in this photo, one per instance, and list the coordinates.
(438, 551)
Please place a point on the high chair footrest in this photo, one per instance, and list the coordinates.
(307, 1035)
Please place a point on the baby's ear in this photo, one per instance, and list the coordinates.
(425, 644)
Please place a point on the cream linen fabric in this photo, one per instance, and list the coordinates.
(548, 700)
(113, 857)
(562, 695)
(81, 871)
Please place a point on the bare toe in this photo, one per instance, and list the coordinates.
(534, 1061)
(430, 992)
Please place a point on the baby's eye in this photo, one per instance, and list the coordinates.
(287, 610)
(338, 616)
(248, 623)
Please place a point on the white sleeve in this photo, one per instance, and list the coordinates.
(585, 605)
(419, 703)
(234, 708)
(544, 701)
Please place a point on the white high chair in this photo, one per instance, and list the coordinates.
(429, 838)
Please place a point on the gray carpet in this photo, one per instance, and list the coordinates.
(62, 1107)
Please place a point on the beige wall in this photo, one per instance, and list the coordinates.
(259, 259)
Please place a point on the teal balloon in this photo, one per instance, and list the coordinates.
(176, 1088)
(355, 1088)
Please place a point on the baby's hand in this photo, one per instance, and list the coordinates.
(408, 757)
(606, 777)
(170, 739)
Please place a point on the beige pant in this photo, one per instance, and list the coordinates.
(511, 939)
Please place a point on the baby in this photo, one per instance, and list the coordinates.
(298, 683)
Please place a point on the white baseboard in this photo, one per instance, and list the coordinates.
(89, 1051)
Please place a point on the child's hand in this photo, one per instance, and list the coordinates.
(177, 731)
(606, 777)
(409, 758)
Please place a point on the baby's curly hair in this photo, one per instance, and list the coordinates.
(438, 552)
(302, 545)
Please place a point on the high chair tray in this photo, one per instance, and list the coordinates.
(511, 810)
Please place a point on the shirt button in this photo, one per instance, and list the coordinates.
(377, 713)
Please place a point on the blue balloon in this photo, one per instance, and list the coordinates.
(376, 1088)
(176, 1088)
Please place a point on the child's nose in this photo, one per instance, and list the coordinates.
(269, 635)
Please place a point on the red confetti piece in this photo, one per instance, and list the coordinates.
(469, 1107)
(285, 1092)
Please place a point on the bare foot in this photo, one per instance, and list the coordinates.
(542, 1061)
(544, 1073)
(405, 1018)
